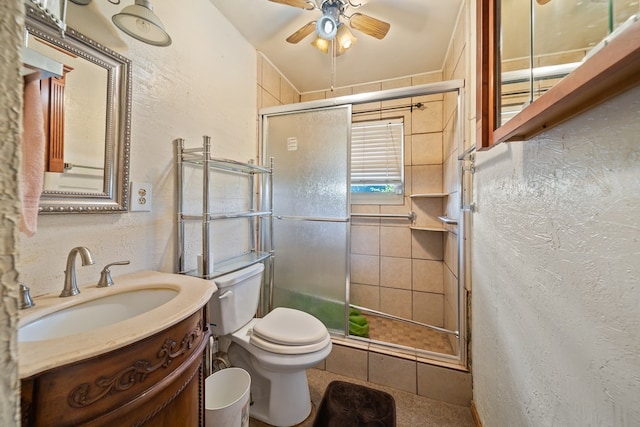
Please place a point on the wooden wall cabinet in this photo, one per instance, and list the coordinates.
(611, 70)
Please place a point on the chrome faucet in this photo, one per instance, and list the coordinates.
(70, 284)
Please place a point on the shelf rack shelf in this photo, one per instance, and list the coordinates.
(201, 156)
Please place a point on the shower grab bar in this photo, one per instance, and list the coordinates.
(312, 218)
(413, 322)
(410, 216)
(448, 220)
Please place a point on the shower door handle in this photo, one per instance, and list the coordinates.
(312, 218)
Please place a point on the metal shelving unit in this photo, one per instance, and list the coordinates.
(201, 156)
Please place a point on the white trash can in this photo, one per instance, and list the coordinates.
(226, 398)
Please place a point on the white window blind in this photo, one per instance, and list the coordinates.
(377, 154)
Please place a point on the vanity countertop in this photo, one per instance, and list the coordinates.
(39, 356)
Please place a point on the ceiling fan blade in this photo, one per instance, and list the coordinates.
(302, 32)
(302, 4)
(368, 25)
(543, 2)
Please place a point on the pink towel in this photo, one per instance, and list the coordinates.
(32, 155)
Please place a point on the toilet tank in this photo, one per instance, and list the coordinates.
(235, 302)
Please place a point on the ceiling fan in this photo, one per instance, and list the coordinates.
(329, 27)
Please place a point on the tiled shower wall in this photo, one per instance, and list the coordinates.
(273, 88)
(395, 269)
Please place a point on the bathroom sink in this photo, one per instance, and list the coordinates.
(95, 313)
(61, 331)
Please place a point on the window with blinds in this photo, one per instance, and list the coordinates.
(377, 167)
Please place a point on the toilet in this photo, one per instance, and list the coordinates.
(276, 349)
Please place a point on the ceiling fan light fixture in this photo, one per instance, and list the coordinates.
(321, 44)
(344, 38)
(327, 27)
(139, 21)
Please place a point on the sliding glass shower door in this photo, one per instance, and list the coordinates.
(311, 207)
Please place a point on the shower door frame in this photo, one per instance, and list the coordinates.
(268, 200)
(457, 86)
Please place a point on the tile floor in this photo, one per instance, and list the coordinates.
(411, 410)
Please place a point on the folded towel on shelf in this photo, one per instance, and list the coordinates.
(33, 150)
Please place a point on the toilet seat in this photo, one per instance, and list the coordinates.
(288, 331)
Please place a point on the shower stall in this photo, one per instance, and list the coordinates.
(391, 275)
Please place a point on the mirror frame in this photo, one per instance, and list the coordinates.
(117, 142)
(613, 69)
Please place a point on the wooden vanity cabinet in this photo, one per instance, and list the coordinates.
(158, 381)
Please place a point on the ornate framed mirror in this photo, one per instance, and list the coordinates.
(87, 121)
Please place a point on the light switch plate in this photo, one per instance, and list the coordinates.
(141, 196)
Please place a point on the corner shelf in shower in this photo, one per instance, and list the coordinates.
(428, 195)
(428, 228)
(201, 156)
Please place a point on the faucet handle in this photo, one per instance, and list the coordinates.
(25, 298)
(105, 274)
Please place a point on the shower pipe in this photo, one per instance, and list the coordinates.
(418, 105)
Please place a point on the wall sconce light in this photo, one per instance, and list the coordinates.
(139, 21)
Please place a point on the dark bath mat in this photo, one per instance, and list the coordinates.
(351, 405)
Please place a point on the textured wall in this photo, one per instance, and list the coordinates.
(556, 292)
(203, 84)
(10, 128)
(10, 125)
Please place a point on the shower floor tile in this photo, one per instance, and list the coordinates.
(407, 334)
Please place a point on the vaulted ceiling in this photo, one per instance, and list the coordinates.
(417, 42)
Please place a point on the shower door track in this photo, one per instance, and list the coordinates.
(402, 319)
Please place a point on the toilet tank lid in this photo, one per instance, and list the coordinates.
(238, 276)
